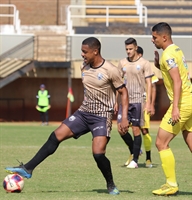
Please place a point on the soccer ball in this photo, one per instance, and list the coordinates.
(13, 183)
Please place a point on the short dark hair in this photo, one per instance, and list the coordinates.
(140, 50)
(162, 27)
(92, 42)
(131, 41)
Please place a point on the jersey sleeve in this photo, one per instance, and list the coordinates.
(148, 69)
(116, 77)
(169, 61)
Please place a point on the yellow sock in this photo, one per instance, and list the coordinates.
(147, 142)
(168, 165)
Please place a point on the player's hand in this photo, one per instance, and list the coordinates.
(152, 110)
(156, 59)
(116, 108)
(123, 126)
(148, 108)
(175, 115)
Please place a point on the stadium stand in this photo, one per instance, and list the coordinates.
(120, 14)
(177, 13)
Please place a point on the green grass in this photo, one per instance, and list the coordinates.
(71, 173)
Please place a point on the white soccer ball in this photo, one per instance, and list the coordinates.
(13, 183)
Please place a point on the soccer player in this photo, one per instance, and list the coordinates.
(43, 104)
(101, 80)
(145, 128)
(179, 114)
(137, 73)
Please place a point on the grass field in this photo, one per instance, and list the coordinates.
(71, 173)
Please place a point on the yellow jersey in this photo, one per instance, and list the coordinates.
(172, 57)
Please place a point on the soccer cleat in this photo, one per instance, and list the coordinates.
(113, 191)
(21, 170)
(129, 160)
(166, 190)
(132, 165)
(141, 152)
(148, 164)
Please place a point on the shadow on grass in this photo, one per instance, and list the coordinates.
(105, 191)
(142, 165)
(184, 193)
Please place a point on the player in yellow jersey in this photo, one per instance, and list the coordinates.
(179, 115)
(145, 129)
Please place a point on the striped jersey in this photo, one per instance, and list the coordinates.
(134, 75)
(172, 57)
(100, 86)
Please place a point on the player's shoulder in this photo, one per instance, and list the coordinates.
(123, 61)
(143, 61)
(108, 64)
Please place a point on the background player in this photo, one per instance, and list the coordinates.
(43, 104)
(136, 72)
(145, 128)
(147, 140)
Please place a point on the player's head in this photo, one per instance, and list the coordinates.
(42, 86)
(140, 51)
(131, 47)
(161, 35)
(90, 48)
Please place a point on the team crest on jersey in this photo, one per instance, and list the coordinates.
(124, 69)
(138, 67)
(100, 76)
(72, 118)
(119, 116)
(171, 63)
(184, 62)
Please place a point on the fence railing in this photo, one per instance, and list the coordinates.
(15, 17)
(141, 14)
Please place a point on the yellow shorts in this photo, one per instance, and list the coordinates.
(146, 120)
(185, 122)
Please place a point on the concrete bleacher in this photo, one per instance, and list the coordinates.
(121, 14)
(177, 13)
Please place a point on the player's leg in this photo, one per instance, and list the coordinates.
(168, 163)
(69, 128)
(135, 116)
(42, 117)
(49, 147)
(99, 144)
(147, 144)
(167, 131)
(136, 147)
(187, 132)
(147, 139)
(103, 163)
(188, 138)
(46, 117)
(127, 138)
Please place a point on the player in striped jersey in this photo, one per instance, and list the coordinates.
(178, 117)
(137, 73)
(101, 80)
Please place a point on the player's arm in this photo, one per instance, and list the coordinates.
(177, 84)
(148, 100)
(153, 97)
(125, 105)
(156, 59)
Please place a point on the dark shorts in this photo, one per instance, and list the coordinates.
(81, 123)
(134, 115)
